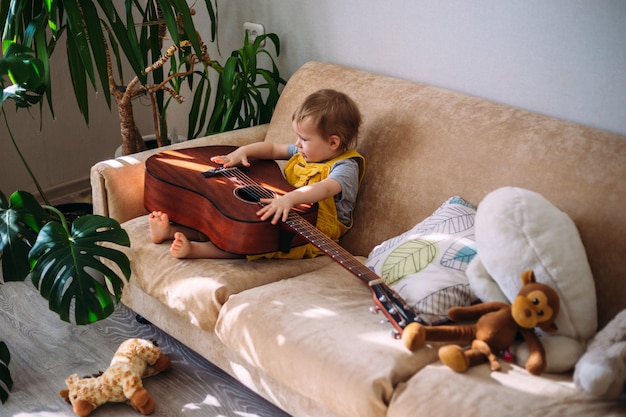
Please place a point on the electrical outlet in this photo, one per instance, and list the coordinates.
(253, 30)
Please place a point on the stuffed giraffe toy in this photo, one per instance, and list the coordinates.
(121, 382)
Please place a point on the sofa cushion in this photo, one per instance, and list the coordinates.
(438, 391)
(197, 288)
(316, 331)
(426, 265)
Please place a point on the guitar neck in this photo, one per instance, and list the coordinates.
(332, 249)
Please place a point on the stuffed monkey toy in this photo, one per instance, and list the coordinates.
(121, 382)
(497, 324)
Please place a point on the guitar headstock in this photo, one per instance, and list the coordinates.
(395, 309)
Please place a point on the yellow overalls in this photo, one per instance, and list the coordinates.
(299, 173)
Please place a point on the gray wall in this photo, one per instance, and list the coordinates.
(61, 153)
(564, 58)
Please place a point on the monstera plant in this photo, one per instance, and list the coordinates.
(64, 262)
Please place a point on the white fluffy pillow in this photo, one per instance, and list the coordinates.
(518, 229)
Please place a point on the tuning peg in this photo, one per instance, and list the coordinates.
(395, 334)
(374, 309)
(383, 298)
(392, 311)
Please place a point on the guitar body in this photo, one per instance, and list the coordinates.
(220, 205)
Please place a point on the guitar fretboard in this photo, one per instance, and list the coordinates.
(332, 249)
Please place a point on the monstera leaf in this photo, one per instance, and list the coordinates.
(21, 217)
(65, 267)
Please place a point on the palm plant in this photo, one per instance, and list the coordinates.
(241, 99)
(99, 39)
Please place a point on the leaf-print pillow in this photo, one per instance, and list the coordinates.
(426, 265)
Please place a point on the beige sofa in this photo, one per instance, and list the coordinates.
(300, 333)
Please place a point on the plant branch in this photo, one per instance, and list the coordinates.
(152, 89)
(155, 120)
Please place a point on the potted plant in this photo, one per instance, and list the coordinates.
(64, 262)
(101, 43)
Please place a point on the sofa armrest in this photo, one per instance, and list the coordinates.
(117, 184)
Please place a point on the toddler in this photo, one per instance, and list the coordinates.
(322, 164)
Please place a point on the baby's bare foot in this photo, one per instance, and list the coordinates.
(181, 246)
(160, 227)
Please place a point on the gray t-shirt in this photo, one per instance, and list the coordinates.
(346, 173)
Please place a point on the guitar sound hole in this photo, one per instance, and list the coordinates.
(253, 193)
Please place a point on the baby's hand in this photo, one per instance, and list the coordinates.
(236, 157)
(275, 208)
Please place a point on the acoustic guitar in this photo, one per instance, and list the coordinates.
(222, 203)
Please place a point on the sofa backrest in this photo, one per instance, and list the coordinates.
(425, 144)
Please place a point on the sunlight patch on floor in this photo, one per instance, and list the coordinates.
(211, 402)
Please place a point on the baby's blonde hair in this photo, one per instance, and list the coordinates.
(333, 113)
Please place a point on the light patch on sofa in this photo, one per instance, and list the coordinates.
(317, 313)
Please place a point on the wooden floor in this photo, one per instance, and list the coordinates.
(45, 350)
